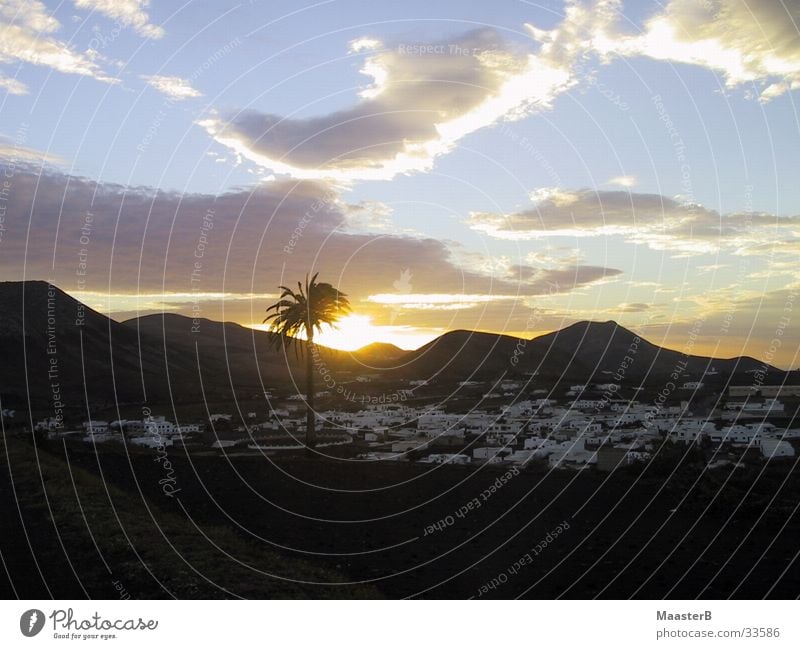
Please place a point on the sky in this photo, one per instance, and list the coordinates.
(507, 166)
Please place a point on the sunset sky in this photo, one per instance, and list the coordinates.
(504, 166)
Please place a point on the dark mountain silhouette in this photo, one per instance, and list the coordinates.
(66, 350)
(378, 356)
(170, 357)
(479, 355)
(42, 334)
(603, 346)
(226, 351)
(583, 352)
(380, 350)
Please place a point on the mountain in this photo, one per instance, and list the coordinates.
(584, 352)
(55, 348)
(466, 355)
(239, 356)
(379, 355)
(602, 347)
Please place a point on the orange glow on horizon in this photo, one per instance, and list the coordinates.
(354, 331)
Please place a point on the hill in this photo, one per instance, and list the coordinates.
(59, 519)
(244, 357)
(467, 355)
(603, 346)
(583, 352)
(55, 348)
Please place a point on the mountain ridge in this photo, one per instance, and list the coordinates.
(169, 356)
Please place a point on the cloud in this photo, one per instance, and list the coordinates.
(31, 15)
(656, 221)
(531, 282)
(368, 216)
(155, 244)
(12, 153)
(173, 87)
(13, 86)
(130, 13)
(437, 301)
(737, 322)
(745, 42)
(550, 255)
(623, 181)
(131, 304)
(26, 36)
(563, 279)
(633, 307)
(422, 98)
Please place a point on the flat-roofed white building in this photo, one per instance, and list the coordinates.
(771, 448)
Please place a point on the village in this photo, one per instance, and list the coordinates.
(587, 428)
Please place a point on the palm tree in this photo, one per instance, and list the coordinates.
(304, 311)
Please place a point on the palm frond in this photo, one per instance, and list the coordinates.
(305, 311)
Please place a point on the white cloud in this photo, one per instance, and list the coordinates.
(26, 30)
(633, 307)
(623, 181)
(437, 301)
(423, 97)
(130, 13)
(368, 216)
(173, 87)
(32, 16)
(13, 86)
(16, 153)
(421, 100)
(743, 41)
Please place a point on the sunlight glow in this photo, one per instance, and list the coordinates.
(353, 332)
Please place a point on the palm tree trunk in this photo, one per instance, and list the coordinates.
(311, 432)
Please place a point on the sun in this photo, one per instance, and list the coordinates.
(350, 332)
(354, 331)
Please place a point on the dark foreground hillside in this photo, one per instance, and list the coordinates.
(68, 533)
(645, 532)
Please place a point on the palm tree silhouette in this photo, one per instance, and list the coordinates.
(304, 311)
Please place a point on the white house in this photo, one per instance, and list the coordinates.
(447, 458)
(689, 430)
(49, 424)
(95, 427)
(737, 434)
(489, 452)
(587, 404)
(537, 442)
(571, 453)
(771, 448)
(151, 441)
(409, 445)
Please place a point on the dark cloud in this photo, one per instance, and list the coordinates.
(106, 238)
(544, 281)
(657, 221)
